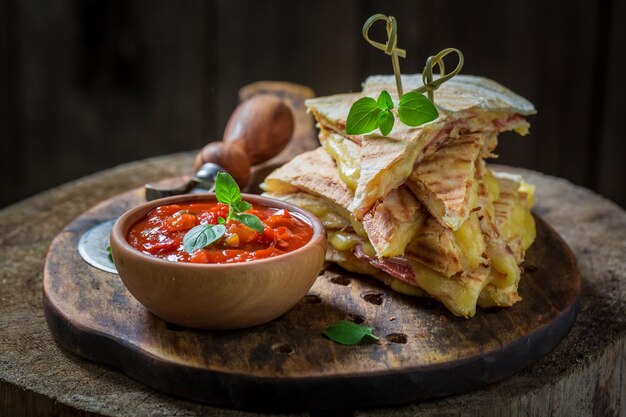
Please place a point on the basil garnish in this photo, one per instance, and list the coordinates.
(367, 114)
(202, 235)
(227, 192)
(348, 333)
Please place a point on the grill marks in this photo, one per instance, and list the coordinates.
(506, 200)
(393, 221)
(435, 247)
(504, 208)
(443, 181)
(379, 156)
(314, 172)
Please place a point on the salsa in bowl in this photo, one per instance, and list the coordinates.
(245, 277)
(162, 231)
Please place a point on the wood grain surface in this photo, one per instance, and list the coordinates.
(425, 352)
(287, 364)
(583, 376)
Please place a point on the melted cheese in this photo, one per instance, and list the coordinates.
(517, 229)
(348, 167)
(492, 296)
(368, 249)
(520, 224)
(493, 188)
(384, 181)
(527, 194)
(469, 238)
(407, 289)
(331, 216)
(460, 299)
(343, 241)
(357, 226)
(504, 270)
(459, 293)
(522, 128)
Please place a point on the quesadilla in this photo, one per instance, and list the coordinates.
(389, 225)
(466, 104)
(454, 267)
(419, 209)
(444, 180)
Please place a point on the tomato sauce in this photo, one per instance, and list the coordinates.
(160, 233)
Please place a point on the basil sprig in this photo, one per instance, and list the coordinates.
(202, 235)
(367, 114)
(416, 109)
(227, 192)
(348, 333)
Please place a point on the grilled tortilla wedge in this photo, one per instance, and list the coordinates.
(471, 266)
(315, 173)
(390, 224)
(466, 104)
(444, 180)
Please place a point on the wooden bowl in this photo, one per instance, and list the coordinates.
(217, 296)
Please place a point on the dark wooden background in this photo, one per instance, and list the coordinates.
(89, 84)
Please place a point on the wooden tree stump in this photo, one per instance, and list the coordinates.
(584, 376)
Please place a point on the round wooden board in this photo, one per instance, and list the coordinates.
(287, 364)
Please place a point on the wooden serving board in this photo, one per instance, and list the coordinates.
(287, 364)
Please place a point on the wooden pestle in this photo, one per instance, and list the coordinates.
(259, 129)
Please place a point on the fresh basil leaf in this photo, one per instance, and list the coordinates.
(202, 235)
(108, 249)
(362, 117)
(385, 122)
(384, 101)
(250, 220)
(221, 220)
(226, 189)
(348, 333)
(416, 109)
(242, 206)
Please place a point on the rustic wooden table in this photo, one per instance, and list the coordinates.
(584, 376)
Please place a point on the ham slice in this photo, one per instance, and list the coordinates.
(396, 267)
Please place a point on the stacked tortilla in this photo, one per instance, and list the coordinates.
(418, 209)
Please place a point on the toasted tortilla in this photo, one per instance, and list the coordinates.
(505, 270)
(346, 154)
(392, 222)
(444, 181)
(434, 263)
(466, 104)
(314, 172)
(435, 246)
(461, 93)
(332, 216)
(467, 251)
(512, 212)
